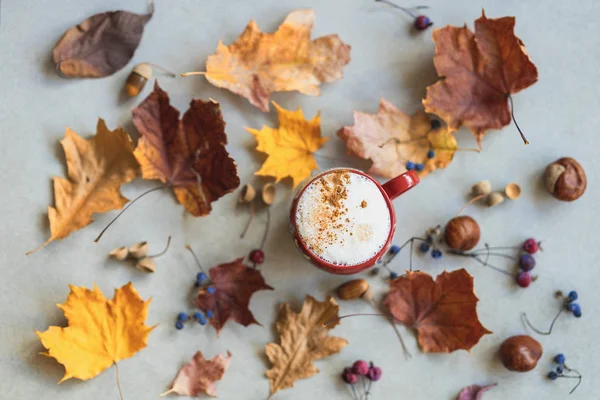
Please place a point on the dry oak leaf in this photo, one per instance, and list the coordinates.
(200, 375)
(474, 392)
(188, 155)
(234, 285)
(443, 312)
(290, 148)
(479, 71)
(101, 332)
(303, 339)
(390, 138)
(100, 45)
(259, 63)
(97, 168)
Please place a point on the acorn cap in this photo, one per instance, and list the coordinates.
(512, 191)
(146, 264)
(268, 194)
(247, 194)
(144, 70)
(120, 253)
(139, 250)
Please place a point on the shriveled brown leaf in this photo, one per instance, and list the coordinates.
(478, 71)
(99, 45)
(304, 338)
(97, 168)
(200, 375)
(444, 311)
(188, 154)
(390, 138)
(259, 63)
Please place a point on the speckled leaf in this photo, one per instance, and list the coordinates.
(200, 375)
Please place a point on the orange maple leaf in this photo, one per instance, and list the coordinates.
(259, 63)
(479, 72)
(443, 312)
(188, 154)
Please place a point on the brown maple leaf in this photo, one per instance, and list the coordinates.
(200, 375)
(390, 138)
(259, 63)
(479, 71)
(97, 168)
(234, 285)
(304, 338)
(188, 154)
(443, 312)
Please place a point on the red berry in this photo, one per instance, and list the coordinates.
(257, 256)
(360, 367)
(531, 246)
(524, 279)
(422, 22)
(349, 377)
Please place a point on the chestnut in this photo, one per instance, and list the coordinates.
(462, 233)
(565, 179)
(520, 353)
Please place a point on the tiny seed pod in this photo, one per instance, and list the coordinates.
(512, 191)
(494, 198)
(247, 194)
(565, 179)
(139, 250)
(353, 289)
(120, 253)
(481, 188)
(268, 194)
(520, 353)
(146, 264)
(462, 233)
(139, 76)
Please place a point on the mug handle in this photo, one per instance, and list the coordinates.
(400, 184)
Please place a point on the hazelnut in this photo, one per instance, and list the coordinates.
(520, 353)
(481, 188)
(565, 179)
(462, 233)
(494, 199)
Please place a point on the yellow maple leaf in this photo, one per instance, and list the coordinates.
(260, 63)
(291, 147)
(304, 338)
(101, 332)
(97, 168)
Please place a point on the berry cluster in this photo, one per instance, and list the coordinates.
(197, 316)
(571, 305)
(562, 371)
(365, 372)
(568, 303)
(431, 235)
(527, 262)
(419, 166)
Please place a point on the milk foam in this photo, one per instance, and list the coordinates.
(353, 237)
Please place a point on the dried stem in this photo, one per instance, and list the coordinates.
(126, 207)
(549, 331)
(118, 381)
(267, 225)
(512, 113)
(406, 10)
(164, 251)
(171, 74)
(473, 200)
(187, 246)
(252, 211)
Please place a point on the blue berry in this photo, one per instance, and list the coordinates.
(559, 369)
(209, 314)
(393, 275)
(560, 359)
(410, 165)
(573, 307)
(572, 296)
(210, 289)
(395, 249)
(424, 247)
(182, 317)
(577, 313)
(197, 315)
(201, 277)
(179, 325)
(430, 154)
(202, 320)
(419, 167)
(552, 375)
(527, 262)
(436, 253)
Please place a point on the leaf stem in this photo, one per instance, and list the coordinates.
(512, 113)
(127, 206)
(473, 200)
(118, 381)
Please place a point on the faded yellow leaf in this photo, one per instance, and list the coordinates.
(304, 338)
(291, 147)
(97, 168)
(259, 63)
(101, 332)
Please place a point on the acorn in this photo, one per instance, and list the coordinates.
(520, 353)
(139, 76)
(462, 233)
(353, 289)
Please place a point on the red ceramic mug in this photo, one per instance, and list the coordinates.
(343, 220)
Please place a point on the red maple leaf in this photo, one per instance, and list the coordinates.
(234, 284)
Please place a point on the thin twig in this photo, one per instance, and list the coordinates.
(164, 251)
(530, 325)
(473, 200)
(171, 74)
(406, 10)
(252, 211)
(187, 246)
(118, 381)
(512, 113)
(267, 225)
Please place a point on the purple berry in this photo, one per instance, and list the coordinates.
(422, 22)
(374, 374)
(526, 262)
(360, 367)
(524, 279)
(531, 246)
(349, 377)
